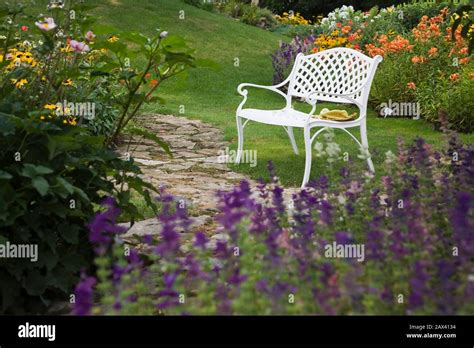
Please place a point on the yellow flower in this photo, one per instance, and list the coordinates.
(42, 118)
(1, 58)
(17, 57)
(51, 106)
(67, 49)
(68, 82)
(72, 121)
(113, 39)
(19, 83)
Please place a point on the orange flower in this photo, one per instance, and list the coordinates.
(383, 39)
(418, 59)
(434, 30)
(373, 51)
(153, 83)
(444, 12)
(463, 51)
(454, 76)
(421, 26)
(346, 29)
(471, 75)
(463, 61)
(148, 75)
(314, 50)
(411, 85)
(432, 51)
(353, 37)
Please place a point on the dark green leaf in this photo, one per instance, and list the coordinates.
(41, 185)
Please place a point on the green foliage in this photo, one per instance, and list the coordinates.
(166, 56)
(260, 17)
(456, 100)
(55, 169)
(297, 30)
(52, 179)
(414, 10)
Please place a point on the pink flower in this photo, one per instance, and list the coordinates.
(47, 25)
(24, 28)
(90, 36)
(79, 47)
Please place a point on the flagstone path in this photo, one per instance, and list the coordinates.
(193, 175)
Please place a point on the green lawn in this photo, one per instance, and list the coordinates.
(210, 94)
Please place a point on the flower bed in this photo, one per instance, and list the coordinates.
(428, 63)
(398, 245)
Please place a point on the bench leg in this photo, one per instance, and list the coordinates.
(240, 134)
(308, 151)
(292, 140)
(365, 144)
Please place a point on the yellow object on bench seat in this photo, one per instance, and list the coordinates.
(335, 115)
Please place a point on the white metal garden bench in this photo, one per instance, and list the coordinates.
(339, 75)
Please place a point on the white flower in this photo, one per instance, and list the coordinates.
(341, 199)
(390, 157)
(333, 149)
(163, 34)
(319, 147)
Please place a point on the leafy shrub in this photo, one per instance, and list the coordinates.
(272, 257)
(196, 3)
(54, 170)
(52, 179)
(411, 12)
(233, 8)
(296, 30)
(455, 98)
(256, 16)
